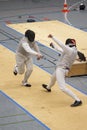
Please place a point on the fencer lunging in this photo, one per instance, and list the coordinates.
(68, 56)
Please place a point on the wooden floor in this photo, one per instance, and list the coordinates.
(53, 109)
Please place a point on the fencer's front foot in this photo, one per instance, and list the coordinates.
(45, 86)
(76, 103)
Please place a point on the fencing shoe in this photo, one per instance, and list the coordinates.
(76, 103)
(45, 86)
(15, 71)
(26, 84)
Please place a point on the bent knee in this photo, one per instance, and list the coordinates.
(21, 71)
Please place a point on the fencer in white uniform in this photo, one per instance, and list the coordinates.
(27, 48)
(68, 56)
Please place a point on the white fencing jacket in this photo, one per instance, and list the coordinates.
(68, 56)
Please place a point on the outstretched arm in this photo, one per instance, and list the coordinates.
(29, 50)
(56, 40)
(56, 47)
(63, 46)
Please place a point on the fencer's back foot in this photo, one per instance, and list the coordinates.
(15, 73)
(26, 84)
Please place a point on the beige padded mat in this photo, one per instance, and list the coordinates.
(53, 108)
